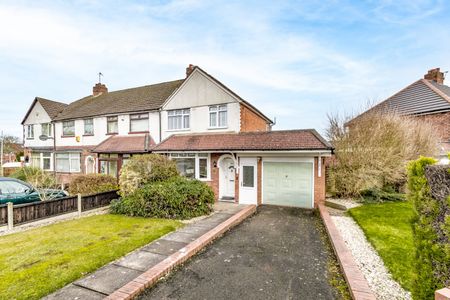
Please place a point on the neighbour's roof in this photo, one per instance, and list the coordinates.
(307, 139)
(134, 143)
(52, 108)
(421, 97)
(142, 98)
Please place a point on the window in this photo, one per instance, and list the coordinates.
(108, 164)
(112, 124)
(36, 160)
(218, 116)
(46, 161)
(248, 175)
(68, 162)
(12, 187)
(139, 122)
(89, 127)
(30, 131)
(46, 129)
(191, 165)
(178, 119)
(69, 128)
(42, 160)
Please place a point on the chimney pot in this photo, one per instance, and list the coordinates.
(435, 75)
(189, 70)
(98, 89)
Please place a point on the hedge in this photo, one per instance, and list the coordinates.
(428, 190)
(176, 198)
(92, 184)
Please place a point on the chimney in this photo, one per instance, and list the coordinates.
(189, 70)
(435, 75)
(98, 89)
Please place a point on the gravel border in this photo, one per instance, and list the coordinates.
(368, 260)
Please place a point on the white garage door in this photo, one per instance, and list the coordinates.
(288, 183)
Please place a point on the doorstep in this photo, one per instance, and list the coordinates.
(131, 274)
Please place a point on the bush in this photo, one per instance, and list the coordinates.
(431, 229)
(374, 151)
(381, 195)
(177, 198)
(40, 180)
(92, 184)
(143, 169)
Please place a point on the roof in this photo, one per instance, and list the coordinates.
(421, 97)
(52, 108)
(307, 139)
(144, 98)
(135, 143)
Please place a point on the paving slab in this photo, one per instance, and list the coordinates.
(182, 237)
(164, 247)
(194, 229)
(108, 279)
(214, 220)
(140, 260)
(73, 292)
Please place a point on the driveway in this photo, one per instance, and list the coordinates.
(276, 254)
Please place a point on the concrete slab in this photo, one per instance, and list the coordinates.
(194, 229)
(73, 292)
(140, 260)
(182, 237)
(214, 220)
(164, 247)
(108, 279)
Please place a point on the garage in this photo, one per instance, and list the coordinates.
(288, 183)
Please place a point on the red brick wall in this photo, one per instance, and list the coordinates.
(319, 183)
(214, 183)
(250, 121)
(440, 122)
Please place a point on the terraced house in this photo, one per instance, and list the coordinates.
(213, 135)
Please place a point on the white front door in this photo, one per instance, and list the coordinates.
(228, 178)
(248, 180)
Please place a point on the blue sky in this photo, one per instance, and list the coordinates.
(295, 60)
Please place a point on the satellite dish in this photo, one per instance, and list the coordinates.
(43, 137)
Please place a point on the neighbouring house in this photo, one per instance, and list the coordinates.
(427, 99)
(212, 133)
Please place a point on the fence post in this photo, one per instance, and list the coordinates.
(10, 215)
(79, 205)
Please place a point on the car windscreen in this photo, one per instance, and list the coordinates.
(12, 187)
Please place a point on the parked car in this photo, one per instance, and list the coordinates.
(18, 192)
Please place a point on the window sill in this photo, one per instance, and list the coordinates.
(67, 136)
(175, 130)
(88, 134)
(217, 128)
(112, 133)
(138, 132)
(30, 138)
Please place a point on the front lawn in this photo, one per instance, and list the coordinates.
(39, 261)
(388, 227)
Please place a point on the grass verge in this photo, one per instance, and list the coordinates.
(37, 262)
(387, 227)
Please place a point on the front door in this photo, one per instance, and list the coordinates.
(227, 174)
(247, 181)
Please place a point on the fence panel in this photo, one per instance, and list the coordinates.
(98, 200)
(3, 214)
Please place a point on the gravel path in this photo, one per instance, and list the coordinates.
(368, 261)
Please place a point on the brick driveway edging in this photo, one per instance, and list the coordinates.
(357, 283)
(152, 275)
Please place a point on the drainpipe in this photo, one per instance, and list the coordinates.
(160, 122)
(54, 150)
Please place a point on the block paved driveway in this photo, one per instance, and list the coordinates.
(276, 254)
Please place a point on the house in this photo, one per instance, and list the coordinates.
(427, 99)
(212, 133)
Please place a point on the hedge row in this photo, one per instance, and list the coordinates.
(429, 191)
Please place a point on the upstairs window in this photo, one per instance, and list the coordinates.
(218, 116)
(178, 119)
(69, 128)
(139, 123)
(112, 124)
(30, 131)
(89, 127)
(46, 129)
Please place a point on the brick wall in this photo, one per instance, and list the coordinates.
(319, 183)
(250, 121)
(441, 123)
(214, 183)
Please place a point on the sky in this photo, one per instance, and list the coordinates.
(297, 61)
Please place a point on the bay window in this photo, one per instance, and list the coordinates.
(218, 116)
(178, 119)
(139, 123)
(192, 165)
(68, 162)
(112, 125)
(42, 160)
(69, 128)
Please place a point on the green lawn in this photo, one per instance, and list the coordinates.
(39, 261)
(388, 227)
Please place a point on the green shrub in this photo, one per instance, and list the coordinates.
(431, 232)
(176, 198)
(35, 177)
(92, 184)
(143, 169)
(375, 195)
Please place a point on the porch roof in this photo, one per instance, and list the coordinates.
(135, 143)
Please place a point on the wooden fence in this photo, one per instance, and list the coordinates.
(28, 212)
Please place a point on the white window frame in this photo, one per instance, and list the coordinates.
(64, 123)
(71, 156)
(49, 129)
(84, 127)
(197, 157)
(216, 110)
(112, 119)
(30, 131)
(140, 117)
(179, 113)
(41, 160)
